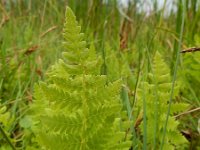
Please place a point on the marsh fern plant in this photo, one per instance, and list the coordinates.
(155, 95)
(76, 108)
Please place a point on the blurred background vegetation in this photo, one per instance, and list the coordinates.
(31, 40)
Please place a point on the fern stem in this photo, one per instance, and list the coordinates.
(85, 114)
(175, 73)
(7, 138)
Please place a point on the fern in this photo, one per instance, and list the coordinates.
(157, 93)
(6, 121)
(75, 108)
(189, 76)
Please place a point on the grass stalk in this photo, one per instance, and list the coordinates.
(7, 138)
(144, 119)
(175, 71)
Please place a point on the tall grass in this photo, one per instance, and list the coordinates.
(182, 24)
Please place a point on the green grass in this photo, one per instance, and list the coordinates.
(31, 40)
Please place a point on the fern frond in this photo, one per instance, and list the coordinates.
(157, 93)
(189, 76)
(79, 108)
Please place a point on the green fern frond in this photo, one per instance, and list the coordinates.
(189, 76)
(157, 93)
(6, 122)
(78, 108)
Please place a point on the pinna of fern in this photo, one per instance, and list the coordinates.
(155, 94)
(189, 76)
(76, 108)
(6, 122)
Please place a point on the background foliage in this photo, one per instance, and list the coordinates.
(126, 40)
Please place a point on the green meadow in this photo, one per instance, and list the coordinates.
(131, 81)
